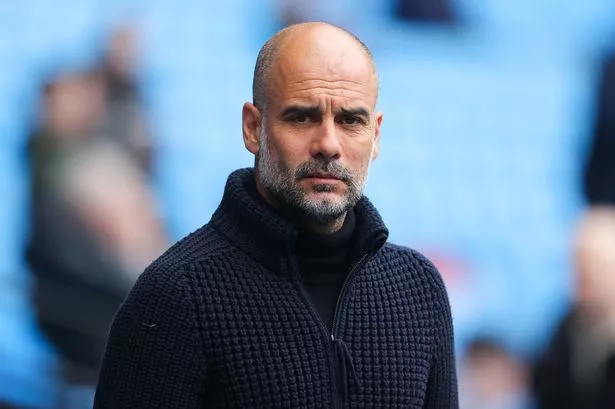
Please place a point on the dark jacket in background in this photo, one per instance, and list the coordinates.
(78, 286)
(559, 380)
(599, 174)
(222, 320)
(558, 384)
(426, 11)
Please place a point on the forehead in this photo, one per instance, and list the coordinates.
(340, 71)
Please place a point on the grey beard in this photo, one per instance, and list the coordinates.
(282, 185)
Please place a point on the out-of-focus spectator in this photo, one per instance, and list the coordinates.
(338, 12)
(491, 377)
(599, 175)
(346, 12)
(430, 11)
(578, 368)
(125, 120)
(95, 223)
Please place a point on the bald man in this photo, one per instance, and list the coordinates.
(291, 296)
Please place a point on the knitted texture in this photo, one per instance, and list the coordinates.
(221, 320)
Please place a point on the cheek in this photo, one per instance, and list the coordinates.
(287, 149)
(359, 157)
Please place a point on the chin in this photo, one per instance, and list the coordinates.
(325, 198)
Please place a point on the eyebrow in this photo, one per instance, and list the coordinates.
(293, 110)
(314, 110)
(355, 112)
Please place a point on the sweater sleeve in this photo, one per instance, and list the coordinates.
(153, 357)
(442, 385)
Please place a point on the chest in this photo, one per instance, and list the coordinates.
(267, 346)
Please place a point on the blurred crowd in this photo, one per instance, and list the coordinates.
(96, 222)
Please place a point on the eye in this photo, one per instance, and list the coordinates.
(351, 120)
(301, 119)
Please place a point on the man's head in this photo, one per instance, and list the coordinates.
(312, 125)
(595, 261)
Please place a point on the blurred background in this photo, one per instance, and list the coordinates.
(120, 121)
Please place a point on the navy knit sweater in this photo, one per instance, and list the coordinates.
(222, 320)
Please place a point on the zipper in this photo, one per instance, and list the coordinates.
(306, 299)
(340, 375)
(331, 336)
(340, 297)
(304, 294)
(338, 303)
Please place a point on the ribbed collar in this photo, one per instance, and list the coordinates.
(257, 228)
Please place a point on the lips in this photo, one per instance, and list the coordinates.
(323, 176)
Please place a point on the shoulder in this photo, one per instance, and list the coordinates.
(168, 277)
(417, 265)
(185, 266)
(428, 288)
(192, 249)
(161, 290)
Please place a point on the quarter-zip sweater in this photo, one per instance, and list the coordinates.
(223, 320)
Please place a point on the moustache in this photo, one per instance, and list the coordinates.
(330, 169)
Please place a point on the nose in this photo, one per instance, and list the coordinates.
(326, 143)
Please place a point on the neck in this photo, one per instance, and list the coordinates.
(306, 223)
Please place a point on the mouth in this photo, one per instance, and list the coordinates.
(322, 176)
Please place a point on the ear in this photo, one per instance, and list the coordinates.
(379, 116)
(251, 126)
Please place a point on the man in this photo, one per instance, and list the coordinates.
(577, 368)
(290, 296)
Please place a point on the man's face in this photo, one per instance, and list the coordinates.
(319, 134)
(595, 261)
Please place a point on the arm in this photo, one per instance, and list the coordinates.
(154, 357)
(442, 387)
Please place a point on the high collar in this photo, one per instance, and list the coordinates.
(327, 246)
(248, 221)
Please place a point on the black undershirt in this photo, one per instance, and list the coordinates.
(323, 263)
